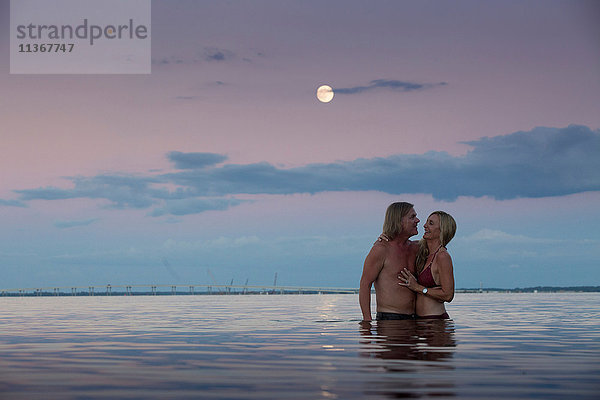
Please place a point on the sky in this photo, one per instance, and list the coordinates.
(222, 164)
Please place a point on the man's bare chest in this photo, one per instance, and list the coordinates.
(397, 260)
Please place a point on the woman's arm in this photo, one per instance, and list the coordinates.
(445, 270)
(445, 291)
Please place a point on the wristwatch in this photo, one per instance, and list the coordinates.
(424, 291)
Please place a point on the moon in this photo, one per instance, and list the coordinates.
(325, 93)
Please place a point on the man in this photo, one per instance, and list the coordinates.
(385, 261)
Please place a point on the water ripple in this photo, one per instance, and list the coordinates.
(296, 347)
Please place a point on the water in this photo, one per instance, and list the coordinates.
(544, 346)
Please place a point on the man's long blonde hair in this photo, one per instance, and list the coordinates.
(392, 225)
(447, 231)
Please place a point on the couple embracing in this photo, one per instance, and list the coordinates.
(412, 279)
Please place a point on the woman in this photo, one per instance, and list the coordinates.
(434, 284)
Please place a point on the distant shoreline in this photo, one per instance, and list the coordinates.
(256, 290)
(535, 289)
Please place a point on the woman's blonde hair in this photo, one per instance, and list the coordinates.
(447, 231)
(392, 225)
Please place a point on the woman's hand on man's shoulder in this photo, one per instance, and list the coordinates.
(382, 238)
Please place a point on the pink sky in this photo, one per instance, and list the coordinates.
(508, 67)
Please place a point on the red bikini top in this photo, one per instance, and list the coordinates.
(426, 277)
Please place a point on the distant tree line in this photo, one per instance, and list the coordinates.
(547, 289)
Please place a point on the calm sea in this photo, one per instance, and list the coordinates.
(513, 346)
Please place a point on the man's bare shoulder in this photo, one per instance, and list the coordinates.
(380, 250)
(376, 258)
(380, 247)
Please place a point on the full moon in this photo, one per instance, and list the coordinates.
(325, 94)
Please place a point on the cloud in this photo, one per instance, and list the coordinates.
(496, 236)
(195, 160)
(123, 191)
(194, 206)
(12, 203)
(206, 54)
(218, 243)
(216, 54)
(74, 223)
(395, 85)
(168, 60)
(540, 163)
